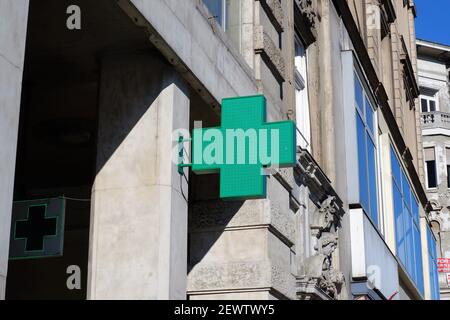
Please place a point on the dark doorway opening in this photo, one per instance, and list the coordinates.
(56, 154)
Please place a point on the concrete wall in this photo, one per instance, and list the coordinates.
(13, 27)
(186, 29)
(138, 234)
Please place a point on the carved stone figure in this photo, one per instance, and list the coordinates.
(318, 269)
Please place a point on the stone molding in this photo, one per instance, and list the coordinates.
(274, 11)
(270, 53)
(215, 215)
(243, 275)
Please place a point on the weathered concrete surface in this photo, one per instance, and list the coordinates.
(197, 43)
(138, 242)
(243, 249)
(13, 26)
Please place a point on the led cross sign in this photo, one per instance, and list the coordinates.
(242, 147)
(37, 229)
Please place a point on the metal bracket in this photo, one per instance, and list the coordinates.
(181, 164)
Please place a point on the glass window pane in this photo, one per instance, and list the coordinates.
(432, 106)
(398, 214)
(410, 267)
(448, 176)
(215, 7)
(372, 181)
(370, 116)
(424, 105)
(431, 174)
(233, 21)
(447, 155)
(395, 164)
(362, 164)
(432, 280)
(415, 209)
(406, 192)
(418, 259)
(359, 94)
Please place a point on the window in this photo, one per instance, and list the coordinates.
(301, 96)
(228, 15)
(430, 168)
(428, 102)
(367, 159)
(432, 261)
(407, 223)
(447, 155)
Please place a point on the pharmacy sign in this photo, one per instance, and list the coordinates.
(243, 147)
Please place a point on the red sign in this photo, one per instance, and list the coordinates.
(448, 279)
(444, 265)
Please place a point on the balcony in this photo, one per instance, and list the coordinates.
(434, 120)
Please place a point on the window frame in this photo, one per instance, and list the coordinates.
(429, 98)
(303, 119)
(447, 165)
(372, 134)
(407, 216)
(432, 264)
(223, 22)
(427, 185)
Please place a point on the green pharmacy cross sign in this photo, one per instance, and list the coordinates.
(242, 147)
(37, 229)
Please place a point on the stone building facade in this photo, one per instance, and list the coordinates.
(93, 121)
(434, 71)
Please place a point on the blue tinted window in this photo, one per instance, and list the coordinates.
(418, 258)
(372, 181)
(359, 95)
(415, 209)
(399, 233)
(410, 258)
(396, 171)
(215, 7)
(432, 262)
(406, 191)
(367, 153)
(407, 230)
(370, 117)
(362, 164)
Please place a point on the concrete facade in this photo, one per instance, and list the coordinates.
(156, 234)
(149, 239)
(13, 30)
(433, 66)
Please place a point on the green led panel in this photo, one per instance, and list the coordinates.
(242, 147)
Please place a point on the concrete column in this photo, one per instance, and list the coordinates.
(138, 236)
(13, 28)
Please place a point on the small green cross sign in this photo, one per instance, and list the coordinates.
(242, 147)
(37, 229)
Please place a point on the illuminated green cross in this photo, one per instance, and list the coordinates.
(242, 147)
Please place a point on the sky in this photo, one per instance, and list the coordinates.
(433, 20)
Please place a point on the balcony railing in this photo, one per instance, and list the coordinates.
(436, 119)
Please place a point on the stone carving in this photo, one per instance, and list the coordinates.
(309, 12)
(326, 217)
(319, 270)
